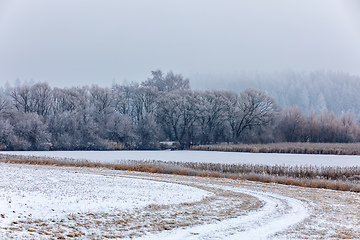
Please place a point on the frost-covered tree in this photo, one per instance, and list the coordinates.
(313, 128)
(330, 126)
(22, 98)
(41, 95)
(211, 116)
(252, 109)
(123, 98)
(7, 136)
(168, 115)
(170, 82)
(144, 102)
(147, 132)
(36, 117)
(292, 124)
(100, 102)
(30, 131)
(176, 114)
(121, 130)
(66, 100)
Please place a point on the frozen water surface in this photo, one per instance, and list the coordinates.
(203, 156)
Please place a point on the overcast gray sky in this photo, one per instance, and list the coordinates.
(77, 42)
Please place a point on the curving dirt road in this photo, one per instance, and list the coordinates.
(276, 214)
(284, 212)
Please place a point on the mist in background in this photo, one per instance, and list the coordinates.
(73, 43)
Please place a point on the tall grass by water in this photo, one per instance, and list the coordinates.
(336, 178)
(296, 148)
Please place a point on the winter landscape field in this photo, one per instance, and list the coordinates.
(47, 202)
(179, 119)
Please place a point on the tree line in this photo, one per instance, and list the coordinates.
(311, 91)
(161, 108)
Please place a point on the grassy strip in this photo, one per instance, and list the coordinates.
(338, 178)
(297, 148)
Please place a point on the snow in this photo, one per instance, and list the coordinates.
(203, 156)
(278, 213)
(44, 193)
(48, 193)
(43, 201)
(49, 202)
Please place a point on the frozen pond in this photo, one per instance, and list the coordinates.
(203, 156)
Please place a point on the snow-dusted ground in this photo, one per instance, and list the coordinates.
(54, 193)
(277, 214)
(204, 156)
(47, 202)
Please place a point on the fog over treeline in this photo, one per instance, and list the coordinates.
(316, 91)
(164, 108)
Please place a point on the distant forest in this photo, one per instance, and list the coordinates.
(316, 91)
(164, 108)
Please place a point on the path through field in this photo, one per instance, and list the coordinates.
(276, 214)
(87, 203)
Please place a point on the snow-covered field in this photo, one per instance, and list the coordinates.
(53, 194)
(203, 156)
(47, 202)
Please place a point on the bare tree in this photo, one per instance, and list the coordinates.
(330, 126)
(292, 124)
(349, 131)
(313, 128)
(231, 111)
(22, 98)
(4, 104)
(42, 98)
(147, 131)
(7, 137)
(67, 100)
(31, 130)
(174, 82)
(211, 116)
(156, 80)
(252, 109)
(144, 102)
(189, 112)
(121, 129)
(100, 100)
(123, 98)
(171, 82)
(168, 115)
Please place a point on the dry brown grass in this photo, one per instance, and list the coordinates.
(296, 148)
(335, 178)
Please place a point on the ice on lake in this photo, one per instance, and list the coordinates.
(202, 156)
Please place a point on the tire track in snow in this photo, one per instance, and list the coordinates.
(277, 214)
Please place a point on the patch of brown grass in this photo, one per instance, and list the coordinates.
(294, 148)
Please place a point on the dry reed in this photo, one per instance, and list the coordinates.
(335, 178)
(295, 148)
